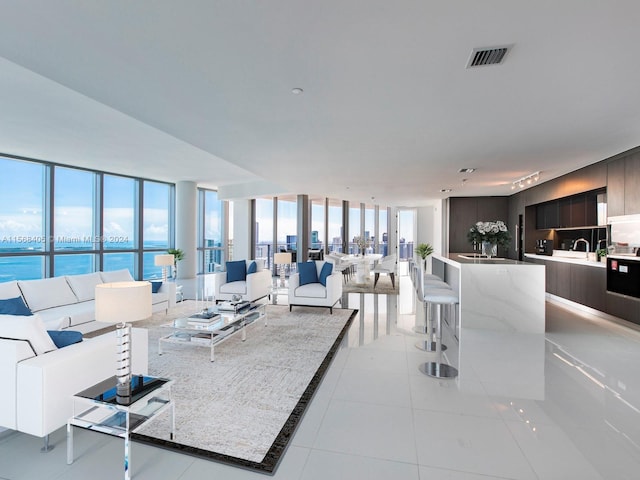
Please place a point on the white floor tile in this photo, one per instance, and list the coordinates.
(469, 444)
(381, 388)
(368, 430)
(335, 466)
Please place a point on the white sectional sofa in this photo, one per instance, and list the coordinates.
(38, 389)
(68, 302)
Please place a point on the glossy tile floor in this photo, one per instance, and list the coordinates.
(562, 406)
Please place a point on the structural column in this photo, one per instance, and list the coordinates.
(186, 227)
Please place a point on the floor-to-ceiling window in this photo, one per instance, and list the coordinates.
(370, 227)
(288, 225)
(334, 227)
(210, 231)
(59, 220)
(383, 231)
(23, 237)
(156, 232)
(406, 233)
(264, 230)
(120, 197)
(316, 240)
(74, 221)
(354, 228)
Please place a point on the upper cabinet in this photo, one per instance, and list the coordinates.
(623, 186)
(576, 211)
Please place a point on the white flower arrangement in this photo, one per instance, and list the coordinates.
(493, 232)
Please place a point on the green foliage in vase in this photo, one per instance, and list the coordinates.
(424, 250)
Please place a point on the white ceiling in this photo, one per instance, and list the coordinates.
(201, 90)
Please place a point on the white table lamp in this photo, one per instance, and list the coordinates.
(282, 259)
(164, 261)
(122, 303)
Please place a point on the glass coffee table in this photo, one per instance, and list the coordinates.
(198, 330)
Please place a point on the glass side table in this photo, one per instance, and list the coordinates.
(98, 408)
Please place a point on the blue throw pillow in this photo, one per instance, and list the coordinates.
(307, 272)
(14, 306)
(236, 271)
(64, 338)
(253, 268)
(155, 286)
(327, 268)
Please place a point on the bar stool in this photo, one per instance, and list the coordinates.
(440, 297)
(429, 345)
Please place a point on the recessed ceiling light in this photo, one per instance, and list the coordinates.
(467, 170)
(445, 190)
(296, 91)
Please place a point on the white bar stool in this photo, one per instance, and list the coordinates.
(429, 345)
(440, 297)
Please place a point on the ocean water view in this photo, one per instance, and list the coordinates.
(69, 259)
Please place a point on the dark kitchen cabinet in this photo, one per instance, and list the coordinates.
(578, 211)
(632, 184)
(591, 208)
(564, 213)
(547, 215)
(563, 279)
(615, 187)
(589, 286)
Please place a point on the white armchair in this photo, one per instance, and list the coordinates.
(386, 265)
(252, 287)
(315, 294)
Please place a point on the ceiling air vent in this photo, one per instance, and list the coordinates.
(487, 56)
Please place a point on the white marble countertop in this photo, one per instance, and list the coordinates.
(457, 259)
(578, 261)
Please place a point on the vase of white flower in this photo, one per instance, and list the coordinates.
(489, 235)
(489, 249)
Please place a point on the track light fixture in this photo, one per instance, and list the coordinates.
(526, 180)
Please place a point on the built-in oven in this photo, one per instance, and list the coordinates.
(623, 275)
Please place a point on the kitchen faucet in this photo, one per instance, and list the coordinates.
(580, 240)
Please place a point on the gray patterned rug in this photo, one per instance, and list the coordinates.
(243, 408)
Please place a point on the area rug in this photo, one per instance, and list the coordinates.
(243, 408)
(383, 286)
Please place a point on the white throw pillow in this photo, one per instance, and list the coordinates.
(117, 276)
(9, 290)
(84, 286)
(30, 328)
(47, 293)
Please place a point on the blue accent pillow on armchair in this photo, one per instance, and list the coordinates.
(308, 273)
(237, 271)
(327, 268)
(155, 287)
(14, 306)
(253, 268)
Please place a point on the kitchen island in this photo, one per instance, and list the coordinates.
(495, 294)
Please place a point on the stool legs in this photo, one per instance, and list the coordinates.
(428, 345)
(438, 369)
